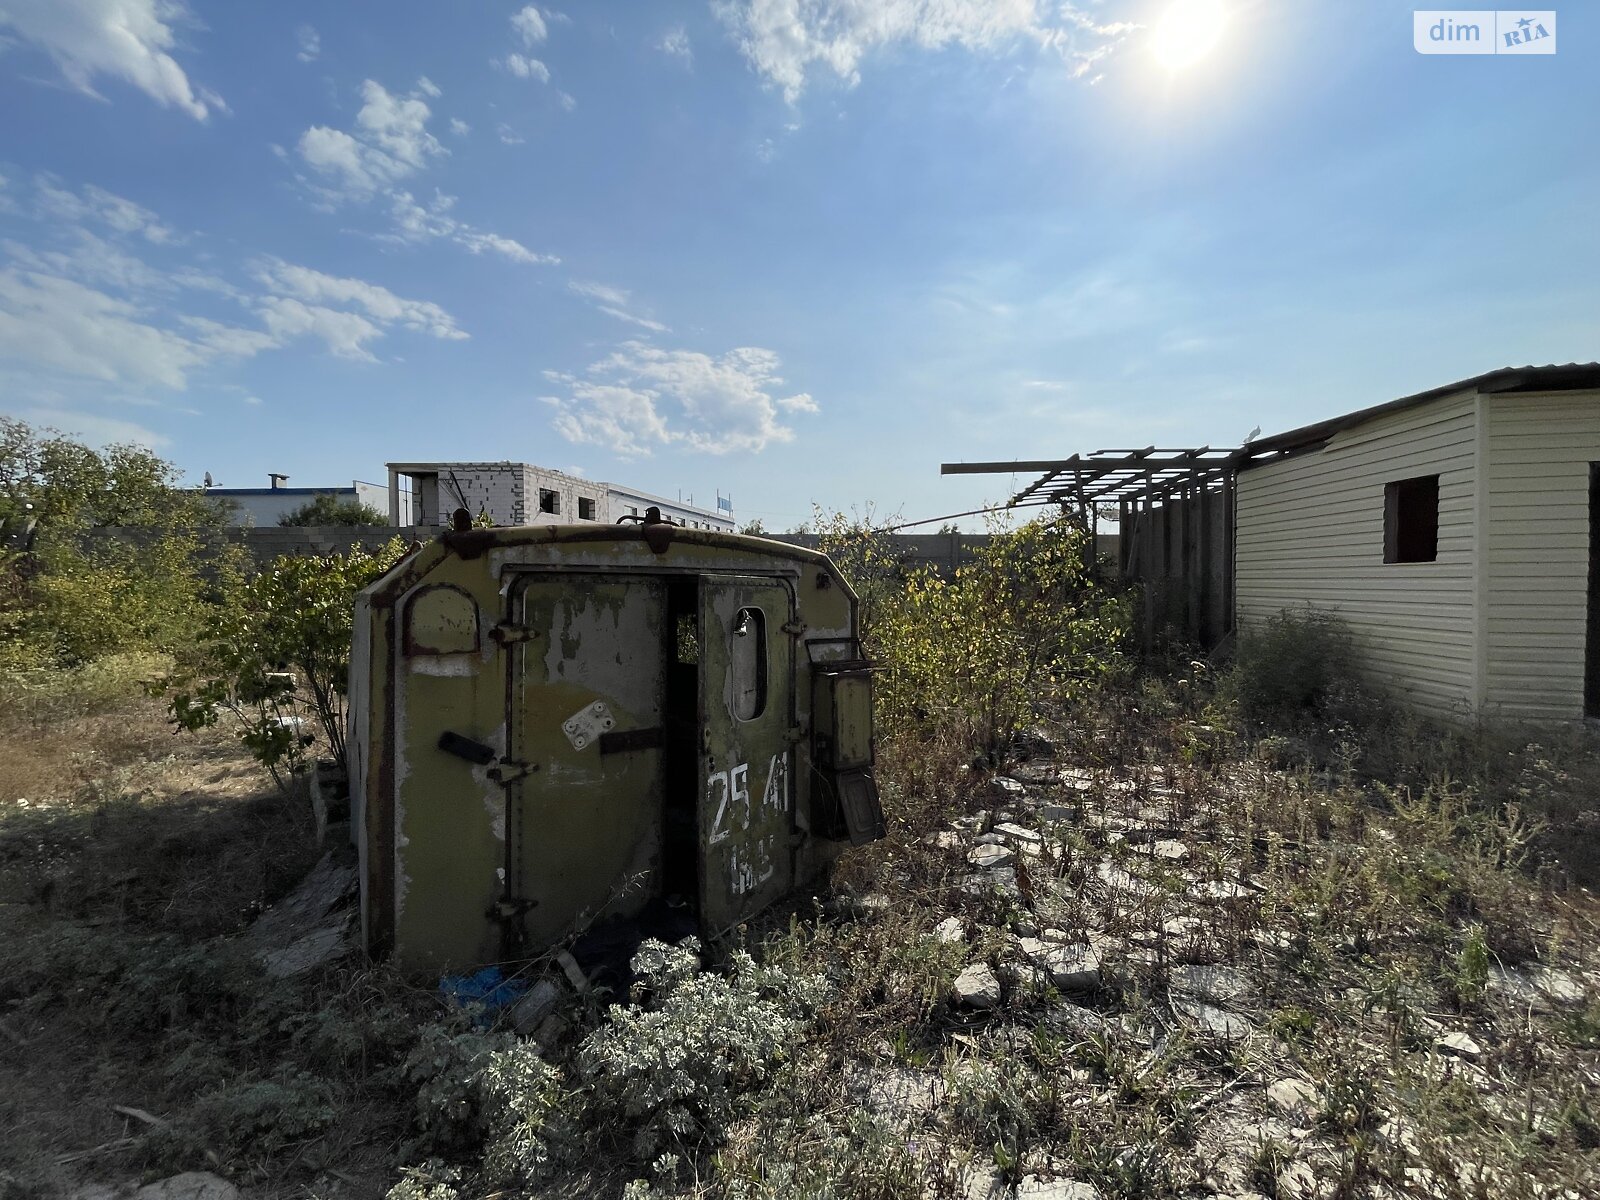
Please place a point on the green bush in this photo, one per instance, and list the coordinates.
(1299, 670)
(672, 1069)
(277, 658)
(974, 654)
(70, 594)
(328, 509)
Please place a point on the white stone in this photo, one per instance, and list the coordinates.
(1225, 984)
(1299, 1180)
(191, 1185)
(1072, 968)
(1007, 786)
(1215, 1021)
(976, 987)
(1033, 1188)
(1118, 880)
(943, 839)
(1170, 849)
(1460, 1045)
(1053, 814)
(1296, 1099)
(538, 1003)
(1221, 892)
(1019, 833)
(951, 929)
(989, 857)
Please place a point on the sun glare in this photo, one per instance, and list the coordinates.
(1187, 32)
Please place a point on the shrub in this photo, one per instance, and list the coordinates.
(278, 657)
(966, 658)
(672, 1069)
(69, 595)
(1300, 669)
(328, 509)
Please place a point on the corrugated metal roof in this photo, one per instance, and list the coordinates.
(1552, 377)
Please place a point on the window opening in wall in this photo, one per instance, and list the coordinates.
(1411, 520)
(747, 658)
(549, 501)
(585, 508)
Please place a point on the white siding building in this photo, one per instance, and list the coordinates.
(1453, 530)
(267, 506)
(512, 493)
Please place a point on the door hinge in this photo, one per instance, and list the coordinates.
(508, 633)
(795, 628)
(509, 770)
(795, 733)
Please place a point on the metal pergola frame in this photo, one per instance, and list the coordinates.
(1111, 476)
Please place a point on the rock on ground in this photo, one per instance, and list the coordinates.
(976, 987)
(1214, 1021)
(191, 1185)
(1033, 1188)
(1295, 1099)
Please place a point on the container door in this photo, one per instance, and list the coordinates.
(585, 722)
(747, 757)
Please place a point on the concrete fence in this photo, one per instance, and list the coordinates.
(942, 551)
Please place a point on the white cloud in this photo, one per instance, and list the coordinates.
(459, 127)
(303, 283)
(509, 135)
(493, 243)
(417, 223)
(94, 429)
(641, 397)
(97, 204)
(526, 68)
(127, 40)
(530, 26)
(786, 40)
(428, 87)
(66, 327)
(310, 42)
(390, 142)
(614, 302)
(344, 333)
(675, 44)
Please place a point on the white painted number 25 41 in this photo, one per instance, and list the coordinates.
(731, 791)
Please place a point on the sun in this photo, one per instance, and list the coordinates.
(1187, 32)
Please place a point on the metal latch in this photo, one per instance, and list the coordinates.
(794, 628)
(509, 770)
(509, 633)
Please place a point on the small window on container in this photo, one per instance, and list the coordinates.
(747, 661)
(549, 501)
(585, 508)
(1411, 520)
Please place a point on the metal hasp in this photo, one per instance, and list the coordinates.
(552, 725)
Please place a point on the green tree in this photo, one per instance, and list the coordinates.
(755, 528)
(328, 509)
(70, 590)
(277, 659)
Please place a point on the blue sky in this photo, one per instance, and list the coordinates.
(798, 250)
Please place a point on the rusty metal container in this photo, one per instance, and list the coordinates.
(550, 725)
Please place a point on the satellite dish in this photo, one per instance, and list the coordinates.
(1252, 435)
(208, 480)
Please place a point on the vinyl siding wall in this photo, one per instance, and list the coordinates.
(1310, 531)
(1539, 448)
